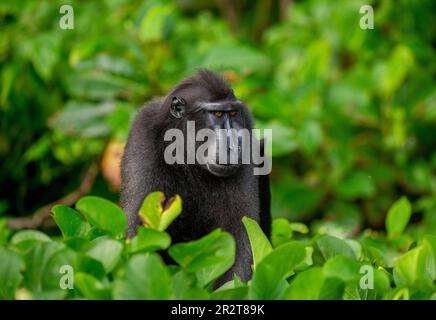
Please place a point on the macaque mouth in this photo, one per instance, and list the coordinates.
(222, 170)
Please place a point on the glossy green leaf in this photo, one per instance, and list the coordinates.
(36, 259)
(260, 245)
(331, 246)
(107, 252)
(4, 231)
(208, 257)
(59, 270)
(343, 268)
(268, 280)
(308, 260)
(151, 209)
(398, 217)
(103, 214)
(27, 238)
(281, 231)
(239, 293)
(91, 288)
(170, 212)
(154, 215)
(92, 267)
(416, 268)
(307, 285)
(149, 240)
(69, 221)
(146, 277)
(11, 267)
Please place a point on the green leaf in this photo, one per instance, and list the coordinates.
(331, 246)
(195, 294)
(395, 71)
(242, 59)
(299, 227)
(357, 185)
(99, 86)
(171, 212)
(208, 257)
(91, 288)
(431, 240)
(54, 273)
(307, 262)
(146, 277)
(182, 281)
(49, 295)
(381, 280)
(310, 136)
(356, 247)
(157, 217)
(4, 231)
(27, 238)
(307, 285)
(260, 246)
(106, 251)
(354, 292)
(239, 293)
(149, 240)
(343, 268)
(83, 119)
(269, 278)
(399, 294)
(151, 209)
(69, 221)
(284, 141)
(281, 231)
(95, 233)
(91, 266)
(103, 214)
(11, 267)
(398, 217)
(36, 259)
(77, 243)
(333, 289)
(43, 50)
(184, 285)
(416, 268)
(153, 23)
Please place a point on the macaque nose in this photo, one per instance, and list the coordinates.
(233, 142)
(234, 147)
(229, 147)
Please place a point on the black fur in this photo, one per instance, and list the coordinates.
(209, 202)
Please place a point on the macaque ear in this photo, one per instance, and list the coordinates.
(177, 107)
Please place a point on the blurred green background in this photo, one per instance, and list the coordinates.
(353, 111)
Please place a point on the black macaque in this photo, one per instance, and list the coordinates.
(214, 195)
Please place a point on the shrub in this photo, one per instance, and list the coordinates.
(92, 260)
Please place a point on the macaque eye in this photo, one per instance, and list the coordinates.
(219, 114)
(233, 113)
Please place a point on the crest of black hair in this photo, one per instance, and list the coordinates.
(144, 170)
(213, 82)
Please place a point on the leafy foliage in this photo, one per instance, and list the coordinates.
(353, 119)
(352, 110)
(106, 266)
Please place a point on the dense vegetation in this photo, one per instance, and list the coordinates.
(353, 114)
(92, 260)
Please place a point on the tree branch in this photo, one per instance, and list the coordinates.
(42, 217)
